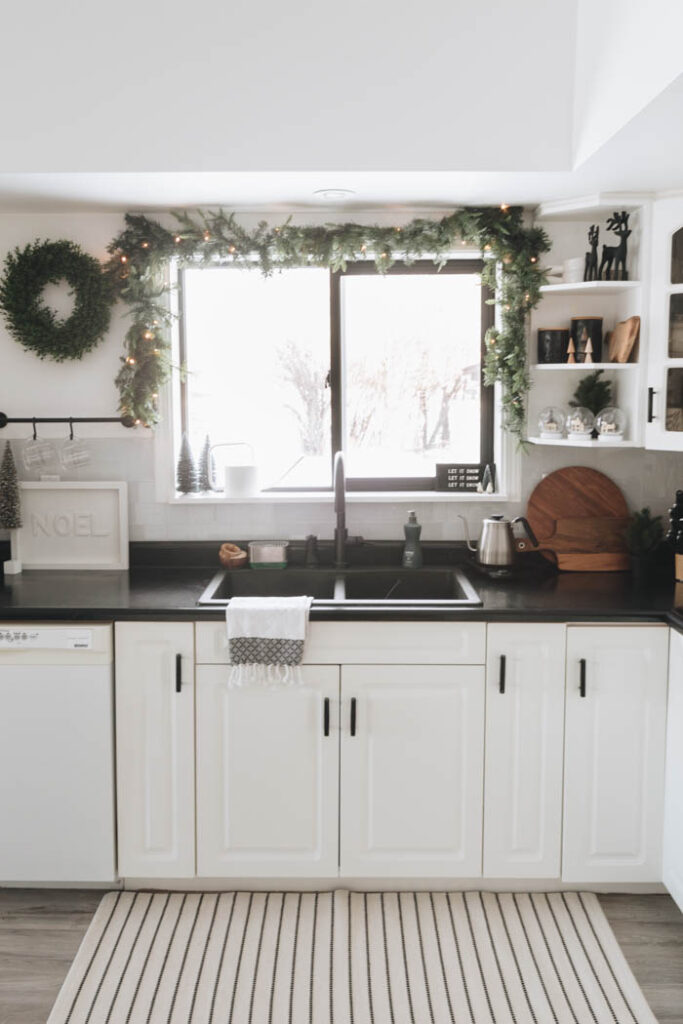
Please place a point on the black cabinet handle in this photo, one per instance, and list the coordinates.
(501, 675)
(650, 404)
(353, 716)
(326, 716)
(582, 682)
(178, 673)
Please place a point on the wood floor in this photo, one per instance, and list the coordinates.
(40, 932)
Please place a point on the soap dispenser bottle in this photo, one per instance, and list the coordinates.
(412, 552)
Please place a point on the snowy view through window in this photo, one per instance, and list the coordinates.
(258, 356)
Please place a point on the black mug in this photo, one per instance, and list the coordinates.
(552, 344)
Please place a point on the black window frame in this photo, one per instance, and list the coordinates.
(335, 377)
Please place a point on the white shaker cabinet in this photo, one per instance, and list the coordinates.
(524, 742)
(673, 813)
(267, 776)
(664, 419)
(155, 749)
(411, 770)
(614, 753)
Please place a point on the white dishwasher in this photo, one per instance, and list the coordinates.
(56, 754)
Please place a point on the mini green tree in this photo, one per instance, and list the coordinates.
(186, 471)
(205, 472)
(10, 509)
(592, 393)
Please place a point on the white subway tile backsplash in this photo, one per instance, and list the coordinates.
(646, 478)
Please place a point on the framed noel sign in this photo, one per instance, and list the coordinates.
(72, 525)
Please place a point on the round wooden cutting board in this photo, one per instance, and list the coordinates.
(579, 517)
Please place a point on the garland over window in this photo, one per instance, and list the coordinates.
(141, 254)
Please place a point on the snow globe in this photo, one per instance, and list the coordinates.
(610, 424)
(580, 423)
(551, 423)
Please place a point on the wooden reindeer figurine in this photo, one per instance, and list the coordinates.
(615, 255)
(590, 271)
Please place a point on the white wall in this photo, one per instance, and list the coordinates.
(303, 85)
(627, 53)
(29, 386)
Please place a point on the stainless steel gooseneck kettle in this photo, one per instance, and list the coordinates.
(497, 544)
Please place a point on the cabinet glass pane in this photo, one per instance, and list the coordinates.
(674, 400)
(677, 257)
(676, 326)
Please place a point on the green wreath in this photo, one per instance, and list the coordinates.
(33, 324)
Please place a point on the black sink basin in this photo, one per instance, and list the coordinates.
(367, 588)
(408, 585)
(316, 583)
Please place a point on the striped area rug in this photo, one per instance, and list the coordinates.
(350, 958)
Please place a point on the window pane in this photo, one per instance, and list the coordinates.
(258, 353)
(676, 326)
(412, 348)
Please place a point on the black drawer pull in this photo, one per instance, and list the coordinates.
(501, 676)
(650, 404)
(326, 716)
(178, 673)
(582, 683)
(353, 716)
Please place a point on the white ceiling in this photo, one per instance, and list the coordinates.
(151, 109)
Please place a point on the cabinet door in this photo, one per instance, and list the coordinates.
(614, 753)
(524, 739)
(155, 748)
(268, 776)
(664, 421)
(673, 814)
(412, 758)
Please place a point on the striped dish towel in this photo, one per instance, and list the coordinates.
(266, 637)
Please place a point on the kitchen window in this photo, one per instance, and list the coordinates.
(286, 370)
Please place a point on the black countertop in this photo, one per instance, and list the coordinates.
(170, 592)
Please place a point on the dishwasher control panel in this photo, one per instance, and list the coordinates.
(53, 639)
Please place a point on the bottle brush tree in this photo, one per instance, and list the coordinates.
(10, 509)
(205, 471)
(186, 471)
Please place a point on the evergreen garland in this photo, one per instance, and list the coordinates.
(141, 254)
(33, 324)
(10, 508)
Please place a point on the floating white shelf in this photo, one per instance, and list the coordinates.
(586, 207)
(589, 288)
(584, 366)
(566, 442)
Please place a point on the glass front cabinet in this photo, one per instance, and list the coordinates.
(664, 400)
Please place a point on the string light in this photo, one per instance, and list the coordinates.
(505, 207)
(156, 352)
(148, 335)
(124, 259)
(155, 394)
(145, 245)
(363, 248)
(487, 248)
(232, 249)
(533, 259)
(177, 239)
(131, 360)
(207, 236)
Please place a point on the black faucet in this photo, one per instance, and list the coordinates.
(340, 531)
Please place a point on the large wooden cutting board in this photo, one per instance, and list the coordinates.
(579, 517)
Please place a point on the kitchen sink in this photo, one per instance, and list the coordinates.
(364, 587)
